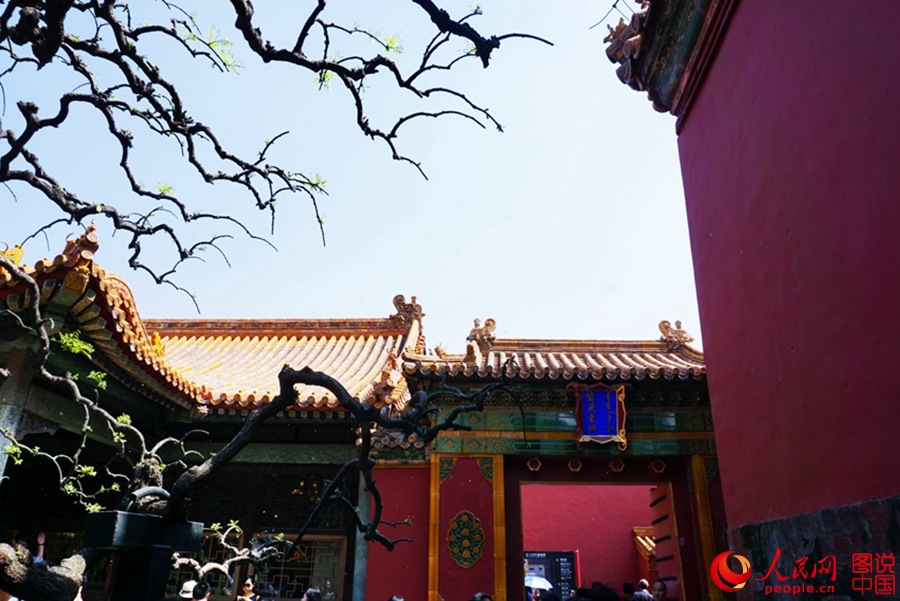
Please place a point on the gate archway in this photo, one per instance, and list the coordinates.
(668, 442)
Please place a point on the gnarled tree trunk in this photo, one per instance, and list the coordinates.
(22, 577)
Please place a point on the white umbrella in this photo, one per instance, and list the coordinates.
(538, 582)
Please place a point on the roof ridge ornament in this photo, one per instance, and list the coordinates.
(483, 336)
(675, 338)
(626, 41)
(389, 379)
(87, 241)
(14, 254)
(406, 312)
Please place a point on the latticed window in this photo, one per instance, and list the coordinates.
(318, 561)
(210, 551)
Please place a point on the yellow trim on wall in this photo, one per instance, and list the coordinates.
(704, 521)
(434, 526)
(396, 465)
(499, 530)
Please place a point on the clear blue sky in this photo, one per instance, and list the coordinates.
(570, 224)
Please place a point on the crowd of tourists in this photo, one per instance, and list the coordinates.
(601, 592)
(201, 590)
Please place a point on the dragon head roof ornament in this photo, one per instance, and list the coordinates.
(406, 312)
(675, 338)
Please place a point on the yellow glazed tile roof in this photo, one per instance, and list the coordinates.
(233, 364)
(238, 361)
(487, 357)
(229, 364)
(643, 541)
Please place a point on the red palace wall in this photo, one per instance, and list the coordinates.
(790, 164)
(403, 571)
(595, 520)
(466, 488)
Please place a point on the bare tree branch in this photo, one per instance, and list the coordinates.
(126, 87)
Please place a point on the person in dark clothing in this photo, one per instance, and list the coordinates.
(247, 593)
(201, 591)
(597, 592)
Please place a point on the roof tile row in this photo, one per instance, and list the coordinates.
(565, 359)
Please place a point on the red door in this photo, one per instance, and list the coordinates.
(665, 533)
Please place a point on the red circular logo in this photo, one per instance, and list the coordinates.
(724, 577)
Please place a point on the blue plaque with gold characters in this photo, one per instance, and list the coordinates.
(600, 414)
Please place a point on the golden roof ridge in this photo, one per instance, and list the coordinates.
(287, 327)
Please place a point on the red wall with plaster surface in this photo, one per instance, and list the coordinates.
(596, 520)
(789, 159)
(403, 571)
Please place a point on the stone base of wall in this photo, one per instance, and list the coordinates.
(871, 528)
